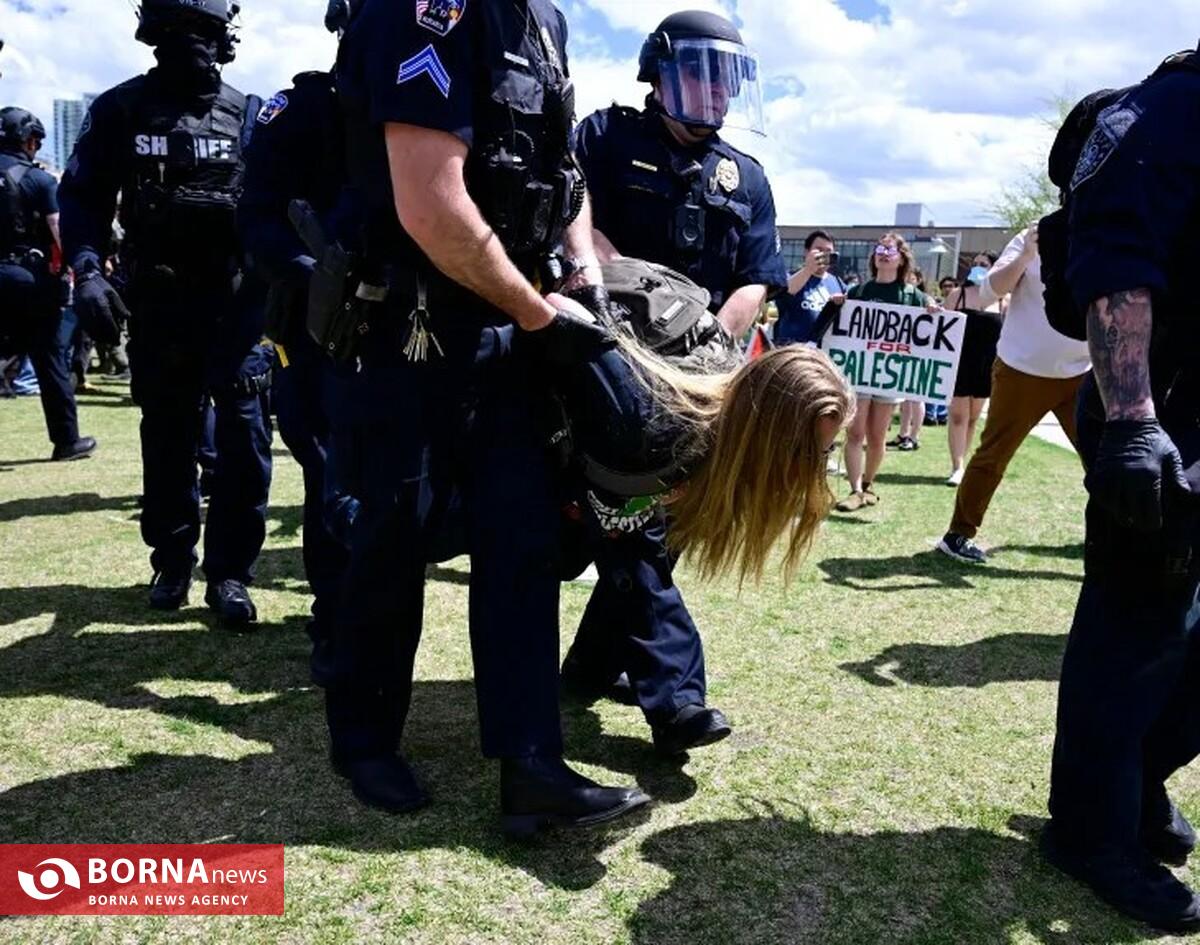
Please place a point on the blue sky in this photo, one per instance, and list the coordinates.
(870, 102)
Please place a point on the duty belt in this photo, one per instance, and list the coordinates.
(254, 385)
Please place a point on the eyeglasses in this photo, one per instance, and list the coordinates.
(889, 251)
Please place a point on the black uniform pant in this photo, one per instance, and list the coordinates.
(33, 322)
(636, 622)
(470, 418)
(1129, 697)
(180, 357)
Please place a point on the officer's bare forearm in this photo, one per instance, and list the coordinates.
(605, 249)
(741, 308)
(52, 226)
(1118, 330)
(435, 209)
(579, 247)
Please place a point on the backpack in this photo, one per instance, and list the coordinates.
(668, 313)
(1079, 149)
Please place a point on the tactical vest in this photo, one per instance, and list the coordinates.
(184, 177)
(520, 171)
(685, 208)
(15, 223)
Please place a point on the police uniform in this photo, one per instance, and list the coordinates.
(296, 151)
(1129, 699)
(175, 159)
(643, 184)
(493, 75)
(705, 211)
(30, 296)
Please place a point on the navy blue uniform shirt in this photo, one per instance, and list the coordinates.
(419, 64)
(295, 151)
(631, 162)
(1135, 205)
(39, 199)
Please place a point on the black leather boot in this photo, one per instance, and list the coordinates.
(537, 792)
(169, 589)
(386, 783)
(1165, 832)
(1129, 881)
(691, 727)
(80, 449)
(231, 601)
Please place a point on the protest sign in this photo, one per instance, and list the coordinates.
(896, 350)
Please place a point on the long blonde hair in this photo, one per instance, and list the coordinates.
(757, 467)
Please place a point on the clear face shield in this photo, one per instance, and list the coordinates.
(713, 83)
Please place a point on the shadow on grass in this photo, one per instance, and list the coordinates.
(933, 569)
(52, 505)
(280, 787)
(1009, 657)
(910, 479)
(773, 879)
(1072, 551)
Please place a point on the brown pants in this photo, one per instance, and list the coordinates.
(1019, 401)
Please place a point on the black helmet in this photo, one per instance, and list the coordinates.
(339, 13)
(688, 24)
(156, 18)
(18, 125)
(704, 74)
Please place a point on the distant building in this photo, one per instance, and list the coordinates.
(68, 120)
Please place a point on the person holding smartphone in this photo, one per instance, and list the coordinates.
(810, 289)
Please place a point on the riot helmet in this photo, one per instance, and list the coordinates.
(339, 13)
(161, 20)
(705, 75)
(17, 126)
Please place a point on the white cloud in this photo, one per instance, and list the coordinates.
(935, 103)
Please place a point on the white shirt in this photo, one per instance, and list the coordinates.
(1027, 342)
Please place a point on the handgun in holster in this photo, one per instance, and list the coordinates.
(338, 303)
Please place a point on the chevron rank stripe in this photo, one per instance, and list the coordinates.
(426, 62)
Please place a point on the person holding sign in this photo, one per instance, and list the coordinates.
(876, 358)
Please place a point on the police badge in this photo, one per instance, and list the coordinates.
(440, 16)
(727, 176)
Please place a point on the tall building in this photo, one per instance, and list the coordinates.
(68, 120)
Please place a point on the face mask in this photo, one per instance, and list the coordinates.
(976, 275)
(183, 54)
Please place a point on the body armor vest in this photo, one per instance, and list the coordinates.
(520, 171)
(15, 223)
(184, 176)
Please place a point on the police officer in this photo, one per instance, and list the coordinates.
(169, 143)
(30, 299)
(457, 123)
(666, 187)
(296, 152)
(1129, 699)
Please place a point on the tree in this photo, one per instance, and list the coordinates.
(1030, 196)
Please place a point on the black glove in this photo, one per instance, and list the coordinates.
(569, 339)
(595, 299)
(99, 307)
(1135, 461)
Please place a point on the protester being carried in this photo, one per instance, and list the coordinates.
(973, 386)
(1037, 371)
(890, 264)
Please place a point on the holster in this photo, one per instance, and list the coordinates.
(337, 316)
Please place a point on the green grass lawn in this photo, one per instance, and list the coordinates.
(893, 717)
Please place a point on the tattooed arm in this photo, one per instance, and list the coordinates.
(1118, 329)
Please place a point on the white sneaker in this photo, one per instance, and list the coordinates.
(954, 478)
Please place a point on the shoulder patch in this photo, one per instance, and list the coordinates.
(271, 108)
(1112, 124)
(440, 16)
(426, 62)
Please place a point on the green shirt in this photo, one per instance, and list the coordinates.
(891, 293)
